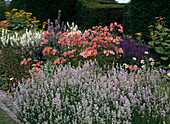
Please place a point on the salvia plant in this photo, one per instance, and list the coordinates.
(84, 95)
(135, 53)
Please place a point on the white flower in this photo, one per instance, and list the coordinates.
(151, 59)
(11, 79)
(143, 66)
(142, 61)
(146, 52)
(134, 58)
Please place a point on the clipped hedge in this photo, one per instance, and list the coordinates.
(91, 13)
(3, 9)
(143, 13)
(47, 9)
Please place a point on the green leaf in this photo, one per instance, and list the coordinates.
(156, 32)
(165, 29)
(167, 48)
(163, 34)
(159, 27)
(164, 58)
(164, 67)
(167, 53)
(165, 44)
(157, 42)
(151, 33)
(160, 50)
(151, 43)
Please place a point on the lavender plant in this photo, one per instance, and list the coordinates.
(84, 95)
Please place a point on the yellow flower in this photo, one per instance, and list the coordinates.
(21, 11)
(138, 33)
(28, 13)
(34, 17)
(5, 21)
(36, 21)
(150, 26)
(168, 74)
(161, 19)
(169, 65)
(130, 36)
(7, 14)
(156, 17)
(154, 36)
(14, 9)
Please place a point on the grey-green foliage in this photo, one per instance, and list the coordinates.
(66, 94)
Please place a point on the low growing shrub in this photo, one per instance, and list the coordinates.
(84, 95)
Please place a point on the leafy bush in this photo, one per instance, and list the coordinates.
(14, 49)
(160, 43)
(20, 20)
(11, 70)
(66, 94)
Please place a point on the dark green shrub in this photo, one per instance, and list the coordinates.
(91, 13)
(143, 13)
(126, 19)
(3, 9)
(18, 4)
(47, 9)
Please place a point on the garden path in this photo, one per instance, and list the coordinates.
(5, 105)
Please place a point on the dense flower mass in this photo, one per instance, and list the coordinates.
(97, 76)
(84, 94)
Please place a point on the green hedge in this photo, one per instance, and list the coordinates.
(47, 9)
(3, 9)
(92, 13)
(143, 13)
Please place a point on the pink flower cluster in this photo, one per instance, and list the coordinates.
(44, 36)
(38, 64)
(46, 51)
(93, 41)
(131, 67)
(69, 53)
(90, 51)
(107, 52)
(25, 61)
(59, 61)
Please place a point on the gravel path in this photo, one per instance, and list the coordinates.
(6, 103)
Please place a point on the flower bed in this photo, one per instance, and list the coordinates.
(64, 75)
